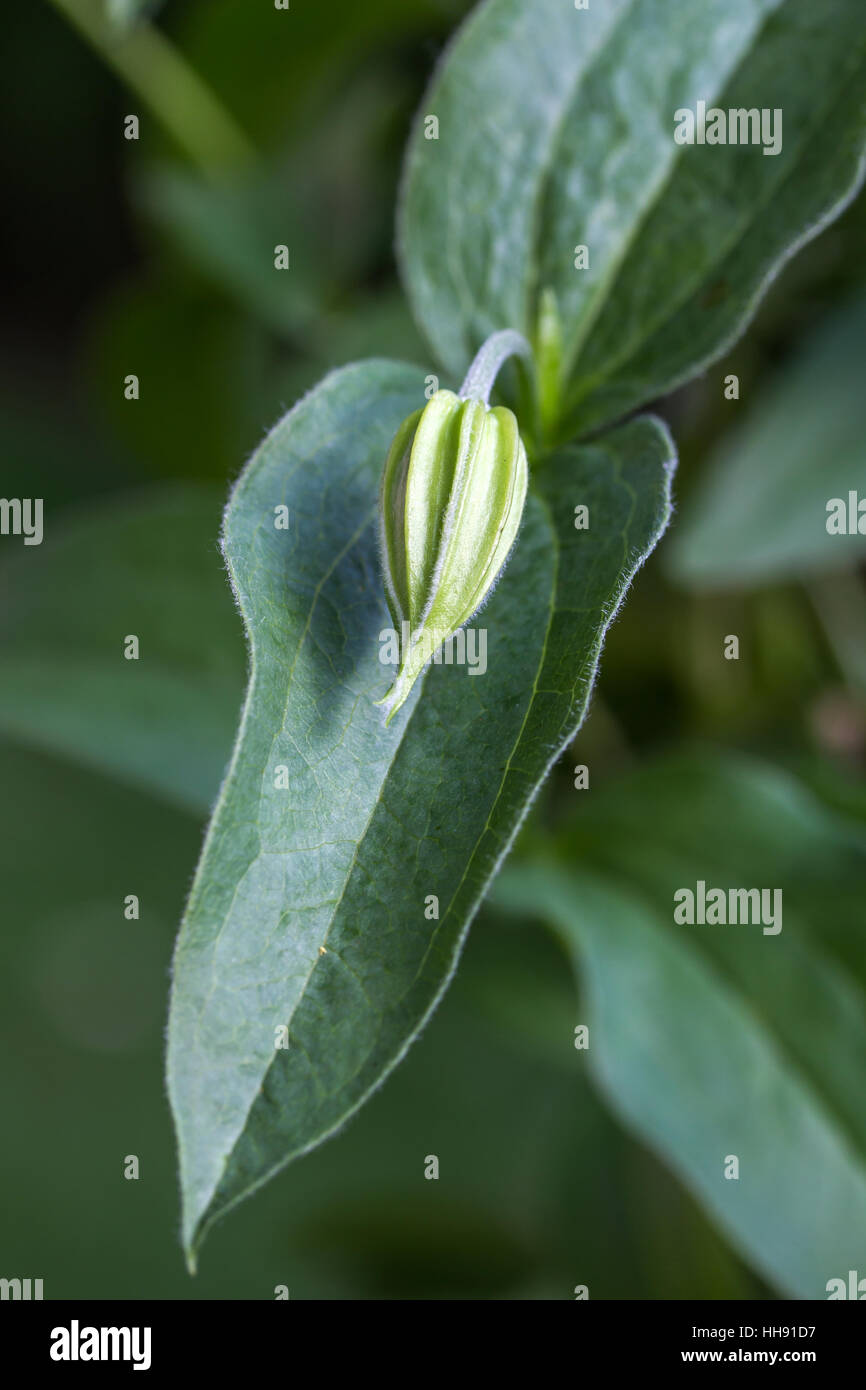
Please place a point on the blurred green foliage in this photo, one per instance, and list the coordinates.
(123, 258)
(744, 1039)
(759, 516)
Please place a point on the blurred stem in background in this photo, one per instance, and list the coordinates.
(840, 602)
(152, 67)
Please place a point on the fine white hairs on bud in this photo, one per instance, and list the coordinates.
(453, 491)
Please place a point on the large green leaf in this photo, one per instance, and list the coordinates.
(719, 1040)
(145, 565)
(374, 820)
(556, 129)
(762, 511)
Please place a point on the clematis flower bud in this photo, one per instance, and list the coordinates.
(453, 491)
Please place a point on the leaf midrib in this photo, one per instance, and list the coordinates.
(598, 301)
(532, 282)
(585, 386)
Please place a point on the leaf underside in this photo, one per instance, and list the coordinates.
(311, 907)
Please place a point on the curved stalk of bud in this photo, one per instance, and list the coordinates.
(452, 496)
(488, 360)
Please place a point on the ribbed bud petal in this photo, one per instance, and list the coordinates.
(453, 491)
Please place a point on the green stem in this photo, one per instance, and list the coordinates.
(838, 600)
(153, 68)
(489, 358)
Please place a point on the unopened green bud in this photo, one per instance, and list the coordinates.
(452, 496)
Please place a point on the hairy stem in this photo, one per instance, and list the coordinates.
(488, 360)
